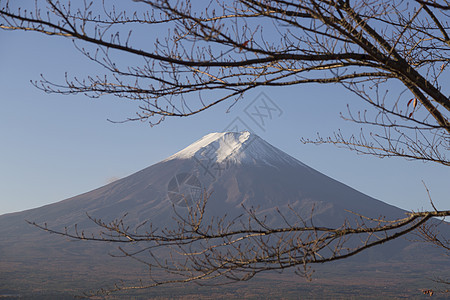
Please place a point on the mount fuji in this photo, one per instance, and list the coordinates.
(237, 168)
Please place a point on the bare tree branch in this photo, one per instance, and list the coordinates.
(220, 50)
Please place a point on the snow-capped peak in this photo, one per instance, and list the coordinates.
(234, 147)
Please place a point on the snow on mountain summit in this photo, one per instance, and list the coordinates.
(235, 147)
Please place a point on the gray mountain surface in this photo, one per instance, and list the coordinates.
(238, 169)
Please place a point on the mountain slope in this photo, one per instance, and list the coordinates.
(239, 169)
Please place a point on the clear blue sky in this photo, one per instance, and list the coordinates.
(54, 147)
